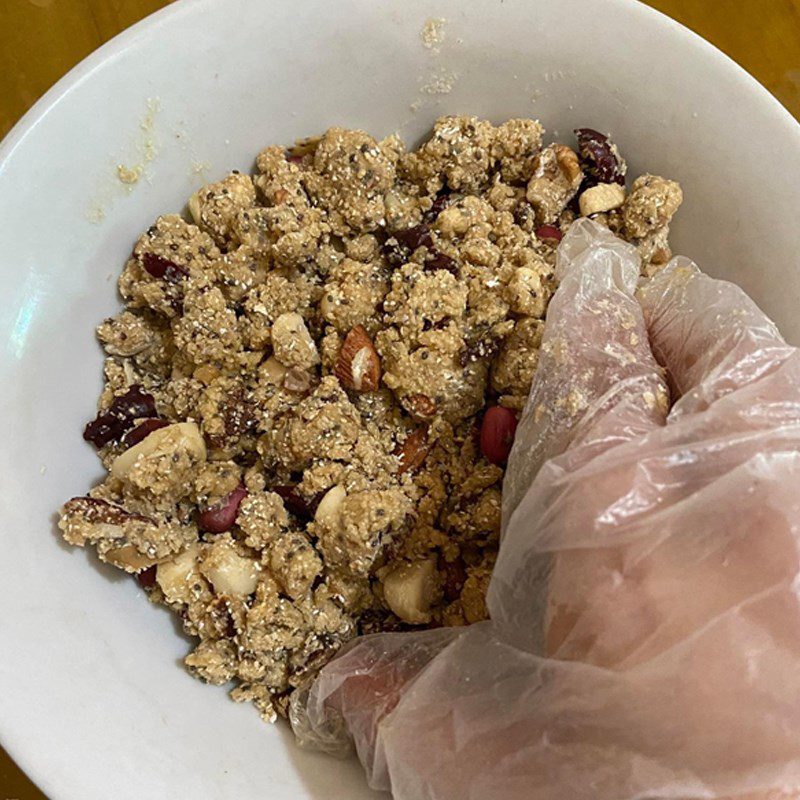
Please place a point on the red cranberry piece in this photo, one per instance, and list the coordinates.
(598, 157)
(412, 238)
(142, 431)
(293, 502)
(160, 267)
(455, 575)
(220, 517)
(439, 204)
(549, 233)
(120, 417)
(497, 433)
(439, 260)
(147, 577)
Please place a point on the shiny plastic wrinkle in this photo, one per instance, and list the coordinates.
(645, 631)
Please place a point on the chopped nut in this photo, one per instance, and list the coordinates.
(184, 436)
(601, 198)
(272, 371)
(358, 366)
(568, 162)
(229, 573)
(294, 563)
(411, 589)
(555, 180)
(292, 342)
(128, 558)
(295, 415)
(420, 406)
(651, 205)
(329, 509)
(173, 576)
(195, 208)
(413, 451)
(297, 381)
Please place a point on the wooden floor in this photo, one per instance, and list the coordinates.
(41, 39)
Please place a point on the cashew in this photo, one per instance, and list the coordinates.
(329, 510)
(229, 572)
(410, 590)
(600, 198)
(292, 342)
(173, 575)
(182, 435)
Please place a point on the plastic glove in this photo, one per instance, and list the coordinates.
(644, 639)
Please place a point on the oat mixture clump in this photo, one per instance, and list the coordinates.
(313, 386)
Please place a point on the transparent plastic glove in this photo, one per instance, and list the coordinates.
(645, 631)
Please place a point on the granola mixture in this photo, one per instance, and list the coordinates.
(313, 386)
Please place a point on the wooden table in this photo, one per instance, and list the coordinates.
(41, 39)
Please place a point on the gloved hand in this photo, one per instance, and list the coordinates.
(644, 639)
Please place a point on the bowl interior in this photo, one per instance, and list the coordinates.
(91, 692)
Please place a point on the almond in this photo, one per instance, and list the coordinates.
(419, 406)
(358, 366)
(413, 451)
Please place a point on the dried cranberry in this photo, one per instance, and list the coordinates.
(143, 430)
(455, 575)
(497, 433)
(160, 267)
(439, 204)
(437, 260)
(412, 238)
(147, 577)
(120, 417)
(221, 618)
(549, 233)
(292, 500)
(220, 517)
(400, 245)
(598, 157)
(293, 159)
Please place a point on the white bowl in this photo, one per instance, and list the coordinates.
(93, 701)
